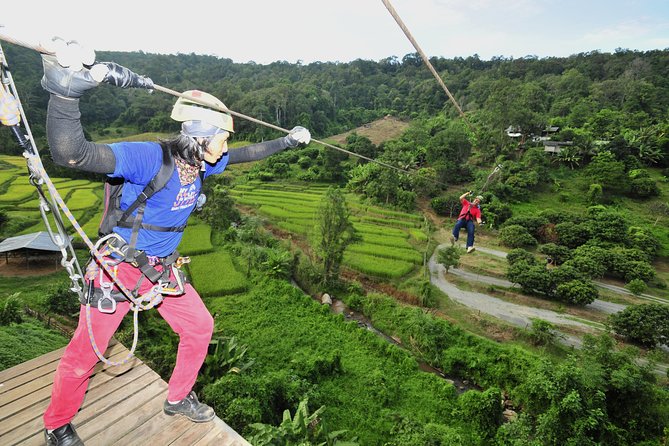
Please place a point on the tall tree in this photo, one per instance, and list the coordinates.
(335, 233)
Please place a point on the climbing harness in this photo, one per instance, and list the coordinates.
(99, 252)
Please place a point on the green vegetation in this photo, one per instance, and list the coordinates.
(215, 274)
(196, 239)
(598, 208)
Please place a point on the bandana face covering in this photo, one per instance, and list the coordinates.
(187, 172)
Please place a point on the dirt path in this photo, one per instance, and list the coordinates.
(518, 315)
(597, 305)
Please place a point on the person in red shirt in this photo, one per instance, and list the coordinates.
(469, 213)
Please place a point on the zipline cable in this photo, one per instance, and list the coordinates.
(427, 62)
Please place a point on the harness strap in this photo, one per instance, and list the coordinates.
(131, 221)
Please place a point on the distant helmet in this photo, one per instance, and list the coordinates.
(199, 120)
(479, 198)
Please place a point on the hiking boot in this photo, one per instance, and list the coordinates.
(470, 249)
(63, 436)
(453, 240)
(190, 408)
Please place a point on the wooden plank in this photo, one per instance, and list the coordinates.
(162, 430)
(143, 415)
(221, 435)
(43, 369)
(194, 434)
(31, 431)
(107, 425)
(24, 367)
(123, 406)
(28, 376)
(42, 399)
(46, 380)
(94, 417)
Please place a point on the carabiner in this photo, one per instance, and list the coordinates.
(106, 288)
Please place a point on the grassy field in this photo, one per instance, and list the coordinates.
(390, 245)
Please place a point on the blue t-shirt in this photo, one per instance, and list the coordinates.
(137, 163)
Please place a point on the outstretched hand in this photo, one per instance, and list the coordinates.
(298, 135)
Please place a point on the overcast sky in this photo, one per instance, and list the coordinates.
(345, 30)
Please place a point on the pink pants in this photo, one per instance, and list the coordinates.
(186, 314)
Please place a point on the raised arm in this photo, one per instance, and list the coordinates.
(298, 135)
(67, 77)
(67, 143)
(462, 197)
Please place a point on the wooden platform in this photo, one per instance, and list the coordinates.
(123, 406)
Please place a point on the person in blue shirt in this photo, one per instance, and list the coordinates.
(199, 150)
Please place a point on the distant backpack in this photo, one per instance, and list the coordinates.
(114, 216)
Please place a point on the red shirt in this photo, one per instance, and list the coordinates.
(467, 207)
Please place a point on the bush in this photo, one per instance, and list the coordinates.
(573, 235)
(482, 409)
(496, 212)
(11, 311)
(641, 238)
(61, 300)
(520, 255)
(595, 194)
(578, 292)
(533, 279)
(558, 253)
(639, 270)
(532, 223)
(636, 286)
(647, 324)
(586, 265)
(516, 236)
(449, 257)
(543, 332)
(642, 185)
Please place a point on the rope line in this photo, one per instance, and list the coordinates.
(426, 60)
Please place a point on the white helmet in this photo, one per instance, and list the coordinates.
(199, 120)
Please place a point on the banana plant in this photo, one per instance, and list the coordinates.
(227, 357)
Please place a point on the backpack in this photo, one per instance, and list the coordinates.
(113, 215)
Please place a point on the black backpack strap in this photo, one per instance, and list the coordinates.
(157, 182)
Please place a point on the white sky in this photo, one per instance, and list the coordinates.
(344, 30)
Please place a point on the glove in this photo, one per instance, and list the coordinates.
(298, 135)
(119, 76)
(64, 71)
(9, 108)
(63, 81)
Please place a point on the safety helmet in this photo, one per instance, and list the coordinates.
(479, 198)
(199, 120)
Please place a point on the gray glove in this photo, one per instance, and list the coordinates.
(298, 135)
(63, 81)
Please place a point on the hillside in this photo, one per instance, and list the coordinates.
(378, 131)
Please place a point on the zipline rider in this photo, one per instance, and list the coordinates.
(470, 212)
(198, 151)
